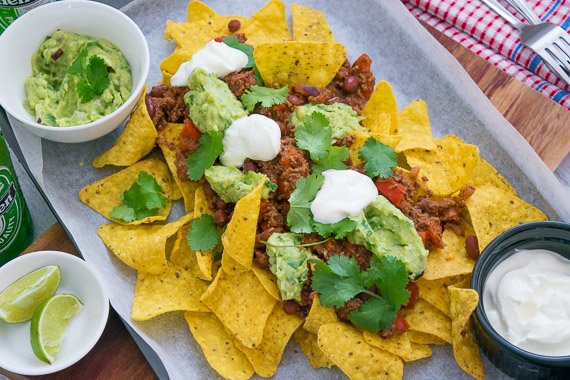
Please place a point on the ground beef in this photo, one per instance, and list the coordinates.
(354, 84)
(165, 104)
(341, 247)
(346, 141)
(222, 211)
(241, 81)
(261, 259)
(351, 305)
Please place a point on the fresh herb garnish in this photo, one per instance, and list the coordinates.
(334, 159)
(233, 42)
(338, 229)
(92, 72)
(264, 95)
(314, 135)
(203, 234)
(144, 198)
(210, 148)
(341, 280)
(270, 185)
(299, 217)
(380, 158)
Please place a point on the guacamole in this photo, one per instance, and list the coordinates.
(289, 264)
(76, 79)
(231, 184)
(212, 105)
(341, 117)
(385, 231)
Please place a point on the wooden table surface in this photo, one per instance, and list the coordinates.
(542, 122)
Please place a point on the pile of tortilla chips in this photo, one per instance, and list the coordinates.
(232, 307)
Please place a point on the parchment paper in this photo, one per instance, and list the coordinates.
(404, 54)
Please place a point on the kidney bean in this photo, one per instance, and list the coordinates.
(294, 100)
(150, 107)
(291, 307)
(58, 53)
(234, 25)
(472, 247)
(350, 84)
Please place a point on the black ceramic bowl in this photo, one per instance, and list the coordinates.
(513, 361)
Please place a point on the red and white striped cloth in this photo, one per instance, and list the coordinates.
(478, 28)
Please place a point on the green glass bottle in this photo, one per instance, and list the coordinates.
(15, 221)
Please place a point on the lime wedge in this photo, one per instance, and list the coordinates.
(49, 322)
(19, 300)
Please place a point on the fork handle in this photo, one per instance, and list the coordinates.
(525, 10)
(503, 12)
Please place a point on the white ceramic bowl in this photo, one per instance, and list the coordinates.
(85, 328)
(19, 42)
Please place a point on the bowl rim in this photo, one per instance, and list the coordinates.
(135, 91)
(488, 253)
(82, 351)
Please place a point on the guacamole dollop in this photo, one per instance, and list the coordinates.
(341, 117)
(288, 263)
(212, 105)
(386, 231)
(76, 79)
(231, 184)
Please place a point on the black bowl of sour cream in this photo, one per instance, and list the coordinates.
(522, 322)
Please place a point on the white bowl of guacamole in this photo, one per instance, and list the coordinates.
(73, 70)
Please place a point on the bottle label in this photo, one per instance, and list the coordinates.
(10, 210)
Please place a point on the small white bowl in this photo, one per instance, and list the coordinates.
(83, 331)
(19, 42)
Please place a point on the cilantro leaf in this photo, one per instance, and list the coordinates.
(380, 158)
(203, 234)
(338, 229)
(390, 276)
(95, 79)
(333, 288)
(233, 42)
(265, 95)
(124, 213)
(334, 159)
(376, 314)
(299, 216)
(78, 65)
(144, 198)
(258, 77)
(210, 148)
(314, 135)
(270, 185)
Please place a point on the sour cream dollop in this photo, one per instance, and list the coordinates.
(256, 137)
(527, 301)
(215, 57)
(344, 193)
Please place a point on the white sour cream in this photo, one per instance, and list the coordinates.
(256, 137)
(527, 301)
(215, 57)
(344, 193)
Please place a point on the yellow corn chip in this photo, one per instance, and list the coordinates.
(485, 174)
(267, 24)
(176, 193)
(428, 319)
(493, 211)
(169, 66)
(191, 35)
(288, 63)
(435, 292)
(464, 283)
(136, 141)
(197, 11)
(318, 316)
(308, 343)
(381, 101)
(104, 195)
(266, 357)
(360, 139)
(218, 346)
(169, 139)
(239, 238)
(184, 257)
(398, 345)
(268, 280)
(310, 25)
(141, 247)
(205, 259)
(451, 260)
(382, 124)
(421, 338)
(465, 349)
(242, 304)
(414, 126)
(448, 167)
(419, 351)
(174, 290)
(345, 346)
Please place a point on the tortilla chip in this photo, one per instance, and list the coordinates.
(266, 357)
(398, 345)
(239, 238)
(197, 11)
(169, 66)
(414, 126)
(288, 63)
(485, 174)
(218, 346)
(493, 211)
(318, 316)
(267, 24)
(428, 319)
(419, 351)
(310, 25)
(185, 257)
(141, 247)
(421, 338)
(345, 346)
(242, 304)
(360, 139)
(465, 283)
(268, 280)
(104, 195)
(169, 139)
(465, 349)
(452, 260)
(435, 292)
(308, 343)
(448, 167)
(204, 259)
(191, 35)
(381, 101)
(176, 193)
(174, 290)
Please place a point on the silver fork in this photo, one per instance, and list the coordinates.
(548, 40)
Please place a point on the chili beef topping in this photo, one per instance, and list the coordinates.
(165, 104)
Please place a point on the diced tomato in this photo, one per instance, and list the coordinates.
(414, 294)
(400, 324)
(392, 190)
(190, 131)
(434, 235)
(423, 236)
